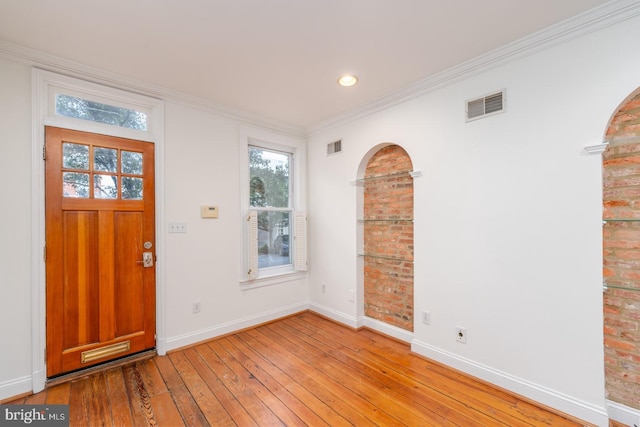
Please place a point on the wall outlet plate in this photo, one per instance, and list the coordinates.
(426, 317)
(461, 335)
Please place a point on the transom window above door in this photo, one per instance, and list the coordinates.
(84, 109)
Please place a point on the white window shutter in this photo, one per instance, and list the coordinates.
(300, 236)
(252, 245)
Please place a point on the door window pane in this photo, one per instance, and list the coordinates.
(79, 108)
(75, 156)
(75, 184)
(131, 188)
(105, 159)
(273, 238)
(132, 162)
(105, 187)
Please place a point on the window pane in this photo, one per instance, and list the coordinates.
(132, 162)
(131, 188)
(75, 184)
(84, 109)
(273, 239)
(105, 159)
(269, 178)
(75, 156)
(105, 187)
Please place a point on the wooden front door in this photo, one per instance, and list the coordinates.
(100, 248)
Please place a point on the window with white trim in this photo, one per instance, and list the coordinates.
(275, 242)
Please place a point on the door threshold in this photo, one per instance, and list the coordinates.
(143, 355)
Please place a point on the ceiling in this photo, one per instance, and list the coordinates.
(278, 59)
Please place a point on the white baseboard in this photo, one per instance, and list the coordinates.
(15, 387)
(551, 398)
(623, 414)
(230, 327)
(390, 330)
(338, 316)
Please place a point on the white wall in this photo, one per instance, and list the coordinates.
(202, 161)
(507, 217)
(15, 227)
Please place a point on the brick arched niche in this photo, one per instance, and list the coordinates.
(621, 256)
(387, 237)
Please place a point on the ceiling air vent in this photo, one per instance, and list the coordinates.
(485, 106)
(334, 147)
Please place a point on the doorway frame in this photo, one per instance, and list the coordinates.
(43, 86)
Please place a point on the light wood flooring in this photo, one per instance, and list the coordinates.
(302, 370)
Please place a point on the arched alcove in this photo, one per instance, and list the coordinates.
(621, 254)
(387, 237)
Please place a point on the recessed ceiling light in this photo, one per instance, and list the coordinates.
(348, 80)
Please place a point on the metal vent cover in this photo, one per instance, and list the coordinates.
(485, 106)
(334, 147)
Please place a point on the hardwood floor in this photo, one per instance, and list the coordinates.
(302, 370)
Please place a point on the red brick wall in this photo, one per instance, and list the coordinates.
(388, 238)
(621, 242)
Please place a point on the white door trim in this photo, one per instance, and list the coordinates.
(42, 83)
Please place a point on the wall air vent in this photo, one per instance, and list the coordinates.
(485, 106)
(334, 147)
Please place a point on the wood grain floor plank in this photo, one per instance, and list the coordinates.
(139, 401)
(58, 395)
(237, 412)
(340, 410)
(355, 409)
(77, 410)
(165, 410)
(386, 399)
(98, 410)
(36, 399)
(244, 406)
(280, 384)
(151, 377)
(207, 400)
(255, 386)
(118, 398)
(188, 408)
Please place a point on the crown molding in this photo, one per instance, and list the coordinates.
(580, 25)
(591, 21)
(48, 62)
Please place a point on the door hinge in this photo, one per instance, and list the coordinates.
(45, 354)
(44, 253)
(44, 152)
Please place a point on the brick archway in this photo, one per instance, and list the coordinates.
(388, 238)
(621, 256)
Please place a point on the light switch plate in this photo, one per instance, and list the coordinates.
(177, 227)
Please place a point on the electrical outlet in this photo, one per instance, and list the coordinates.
(196, 307)
(426, 317)
(324, 288)
(352, 295)
(461, 335)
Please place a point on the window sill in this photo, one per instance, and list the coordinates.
(261, 282)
